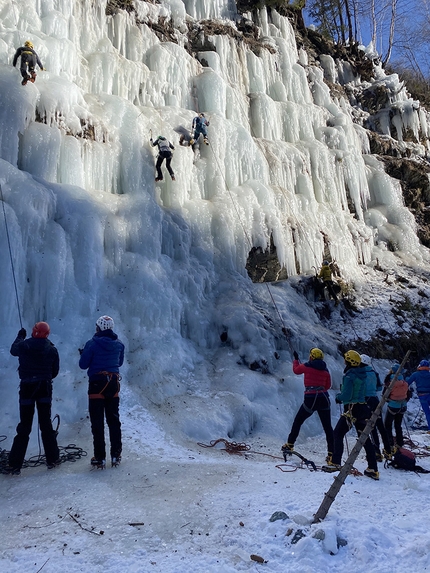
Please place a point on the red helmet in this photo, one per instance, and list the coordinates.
(40, 330)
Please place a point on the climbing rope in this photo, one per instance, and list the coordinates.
(10, 255)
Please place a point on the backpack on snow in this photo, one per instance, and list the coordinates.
(404, 459)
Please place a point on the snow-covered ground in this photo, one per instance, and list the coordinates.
(175, 507)
(85, 231)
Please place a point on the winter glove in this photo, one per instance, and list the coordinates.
(338, 400)
(80, 350)
(296, 356)
(22, 333)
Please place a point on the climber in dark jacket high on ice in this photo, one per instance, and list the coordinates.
(29, 59)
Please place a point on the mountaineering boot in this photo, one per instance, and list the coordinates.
(173, 178)
(12, 471)
(379, 456)
(116, 461)
(53, 465)
(33, 77)
(158, 179)
(329, 457)
(287, 449)
(24, 81)
(205, 139)
(191, 141)
(99, 464)
(371, 474)
(331, 467)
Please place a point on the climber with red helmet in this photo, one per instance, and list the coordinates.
(38, 364)
(355, 413)
(422, 382)
(102, 356)
(317, 382)
(29, 59)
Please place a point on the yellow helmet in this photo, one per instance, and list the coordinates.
(28, 44)
(352, 357)
(316, 354)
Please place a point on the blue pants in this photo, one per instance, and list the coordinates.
(425, 405)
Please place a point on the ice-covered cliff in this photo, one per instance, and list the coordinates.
(289, 161)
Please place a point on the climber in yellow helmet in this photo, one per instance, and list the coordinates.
(29, 59)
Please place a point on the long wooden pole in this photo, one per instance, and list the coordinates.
(339, 480)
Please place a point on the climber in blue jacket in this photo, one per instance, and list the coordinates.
(422, 382)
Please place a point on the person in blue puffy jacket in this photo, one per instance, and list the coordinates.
(102, 356)
(422, 383)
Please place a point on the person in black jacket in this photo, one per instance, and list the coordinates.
(39, 363)
(29, 59)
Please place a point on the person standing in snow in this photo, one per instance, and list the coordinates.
(396, 406)
(200, 126)
(102, 356)
(356, 413)
(317, 382)
(39, 363)
(326, 275)
(422, 382)
(29, 59)
(164, 153)
(373, 385)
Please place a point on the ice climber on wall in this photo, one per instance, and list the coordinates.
(102, 356)
(164, 153)
(317, 382)
(29, 59)
(326, 275)
(39, 363)
(200, 127)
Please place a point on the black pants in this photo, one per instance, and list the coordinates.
(360, 413)
(104, 403)
(159, 163)
(395, 415)
(28, 63)
(318, 402)
(33, 394)
(330, 288)
(372, 402)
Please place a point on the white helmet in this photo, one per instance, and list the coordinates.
(366, 359)
(105, 323)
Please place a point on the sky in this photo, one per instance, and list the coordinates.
(91, 233)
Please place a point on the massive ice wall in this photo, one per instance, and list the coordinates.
(92, 232)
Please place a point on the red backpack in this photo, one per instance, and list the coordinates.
(400, 391)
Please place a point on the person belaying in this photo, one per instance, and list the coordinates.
(396, 406)
(200, 127)
(39, 364)
(326, 275)
(164, 153)
(317, 382)
(102, 356)
(29, 59)
(373, 386)
(356, 413)
(422, 382)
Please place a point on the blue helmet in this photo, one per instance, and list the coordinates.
(424, 364)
